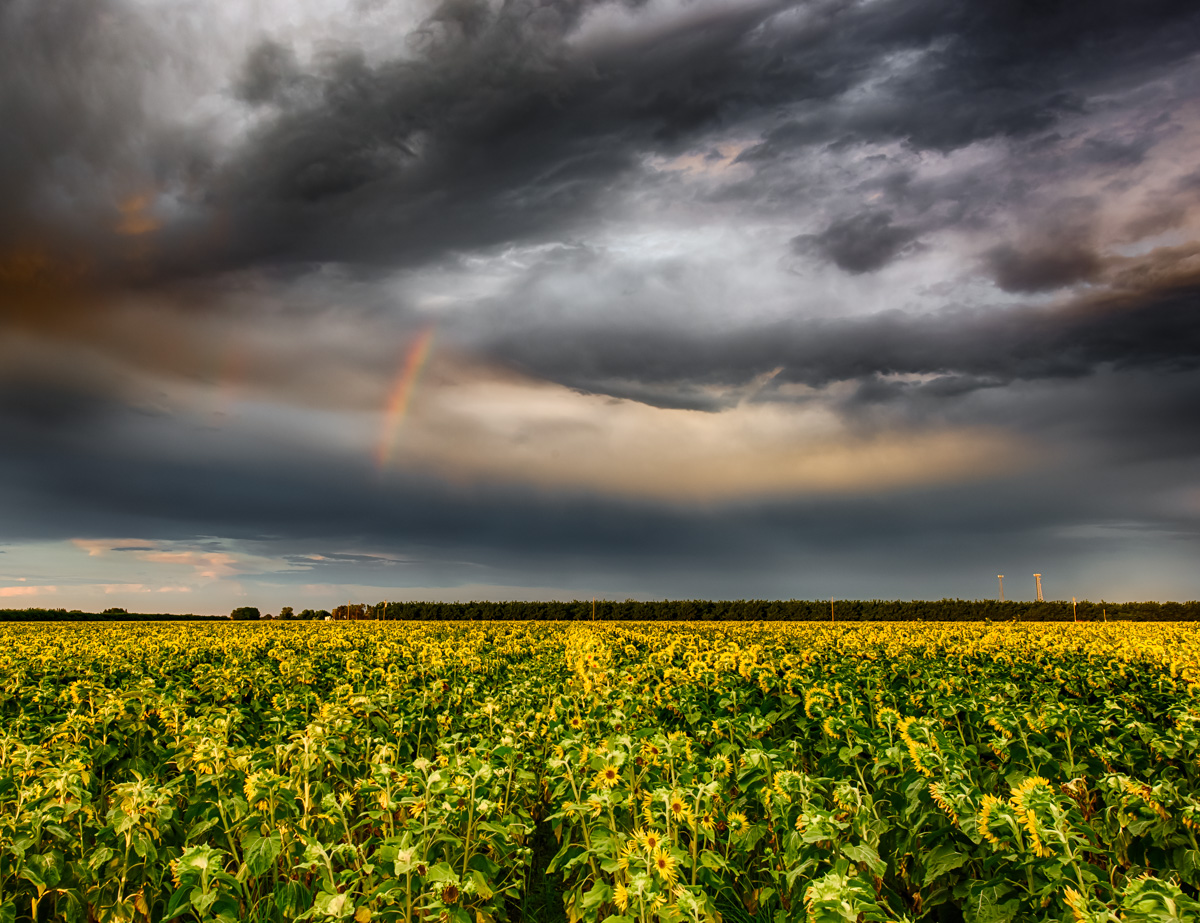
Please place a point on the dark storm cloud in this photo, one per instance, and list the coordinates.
(495, 131)
(501, 124)
(1053, 267)
(81, 88)
(500, 129)
(270, 71)
(1058, 252)
(860, 243)
(494, 126)
(1147, 320)
(69, 88)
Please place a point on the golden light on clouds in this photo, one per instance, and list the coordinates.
(205, 565)
(517, 430)
(7, 591)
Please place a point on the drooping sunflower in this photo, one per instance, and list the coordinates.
(738, 822)
(621, 897)
(648, 807)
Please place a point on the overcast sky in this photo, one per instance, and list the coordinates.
(304, 301)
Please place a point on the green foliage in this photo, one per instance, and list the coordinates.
(608, 773)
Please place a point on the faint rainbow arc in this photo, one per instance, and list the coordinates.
(401, 394)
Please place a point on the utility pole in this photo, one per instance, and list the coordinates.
(1073, 615)
(1000, 577)
(1038, 579)
(831, 608)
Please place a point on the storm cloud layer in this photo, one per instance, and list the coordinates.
(559, 297)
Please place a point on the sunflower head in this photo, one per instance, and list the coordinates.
(738, 822)
(608, 776)
(664, 866)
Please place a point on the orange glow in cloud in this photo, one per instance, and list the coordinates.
(39, 285)
(136, 218)
(401, 394)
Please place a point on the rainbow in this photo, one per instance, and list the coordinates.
(401, 394)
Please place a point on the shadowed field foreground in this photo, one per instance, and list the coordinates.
(476, 772)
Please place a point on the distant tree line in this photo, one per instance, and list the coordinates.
(287, 614)
(108, 615)
(698, 610)
(789, 610)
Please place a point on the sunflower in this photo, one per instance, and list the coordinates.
(680, 813)
(621, 897)
(664, 866)
(738, 821)
(720, 766)
(983, 820)
(576, 722)
(648, 807)
(607, 777)
(1078, 904)
(651, 840)
(1022, 791)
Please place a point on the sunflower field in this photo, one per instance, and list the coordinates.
(422, 771)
